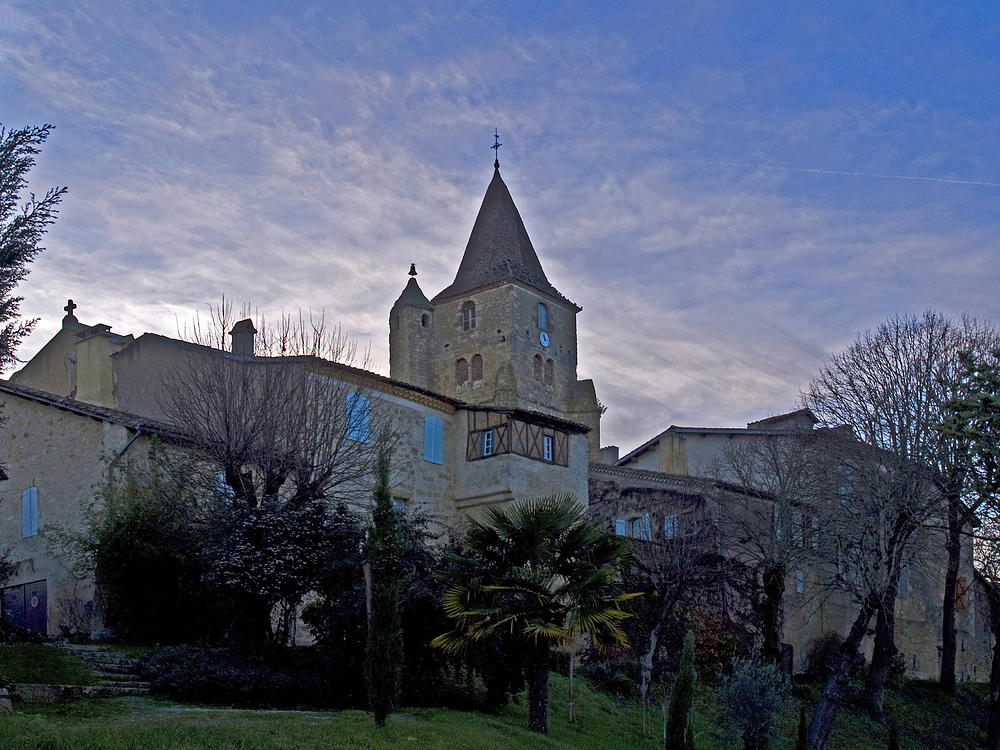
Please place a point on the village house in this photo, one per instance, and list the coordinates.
(485, 399)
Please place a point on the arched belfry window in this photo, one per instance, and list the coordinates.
(461, 371)
(538, 367)
(550, 371)
(468, 316)
(543, 317)
(477, 367)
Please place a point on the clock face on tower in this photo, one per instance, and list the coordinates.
(543, 337)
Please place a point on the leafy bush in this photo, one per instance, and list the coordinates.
(286, 677)
(752, 699)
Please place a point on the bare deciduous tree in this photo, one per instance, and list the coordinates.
(773, 525)
(891, 386)
(283, 439)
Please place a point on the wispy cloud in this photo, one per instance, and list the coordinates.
(710, 190)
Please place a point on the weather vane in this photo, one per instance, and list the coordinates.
(496, 147)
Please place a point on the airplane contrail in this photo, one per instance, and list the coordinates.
(837, 172)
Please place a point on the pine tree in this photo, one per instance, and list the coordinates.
(384, 653)
(21, 229)
(681, 701)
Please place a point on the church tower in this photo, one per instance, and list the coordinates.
(500, 335)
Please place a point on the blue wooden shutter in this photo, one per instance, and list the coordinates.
(29, 512)
(357, 417)
(433, 440)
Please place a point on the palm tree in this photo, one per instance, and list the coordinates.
(536, 575)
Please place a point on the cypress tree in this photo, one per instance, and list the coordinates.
(384, 651)
(679, 736)
(893, 735)
(802, 743)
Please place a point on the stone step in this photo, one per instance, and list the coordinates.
(115, 691)
(139, 684)
(117, 676)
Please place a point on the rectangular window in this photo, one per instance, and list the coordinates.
(814, 536)
(433, 440)
(488, 443)
(542, 317)
(621, 528)
(547, 447)
(640, 528)
(777, 523)
(796, 528)
(358, 410)
(29, 512)
(399, 505)
(671, 526)
(800, 582)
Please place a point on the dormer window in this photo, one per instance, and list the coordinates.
(468, 316)
(543, 315)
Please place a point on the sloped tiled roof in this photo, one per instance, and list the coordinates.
(499, 249)
(412, 296)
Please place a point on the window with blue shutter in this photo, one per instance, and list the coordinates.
(433, 440)
(357, 417)
(29, 512)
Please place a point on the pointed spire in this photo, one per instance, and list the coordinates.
(412, 295)
(499, 248)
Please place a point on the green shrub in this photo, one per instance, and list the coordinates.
(752, 699)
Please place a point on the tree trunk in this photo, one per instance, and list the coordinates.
(538, 692)
(993, 726)
(648, 658)
(251, 628)
(835, 692)
(770, 613)
(949, 636)
(883, 653)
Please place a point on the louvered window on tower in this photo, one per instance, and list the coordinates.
(358, 411)
(468, 316)
(461, 371)
(477, 367)
(29, 512)
(538, 367)
(433, 440)
(550, 369)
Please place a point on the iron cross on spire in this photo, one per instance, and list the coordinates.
(496, 147)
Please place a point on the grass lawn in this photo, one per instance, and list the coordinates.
(38, 663)
(927, 720)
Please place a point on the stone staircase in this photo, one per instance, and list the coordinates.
(116, 673)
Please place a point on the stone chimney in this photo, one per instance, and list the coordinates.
(609, 455)
(243, 334)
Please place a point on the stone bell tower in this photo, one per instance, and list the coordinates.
(500, 334)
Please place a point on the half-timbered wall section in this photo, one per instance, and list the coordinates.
(497, 432)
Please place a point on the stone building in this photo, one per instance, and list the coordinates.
(483, 395)
(682, 481)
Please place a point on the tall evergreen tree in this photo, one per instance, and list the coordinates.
(21, 229)
(681, 700)
(384, 653)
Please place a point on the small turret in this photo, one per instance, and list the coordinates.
(411, 335)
